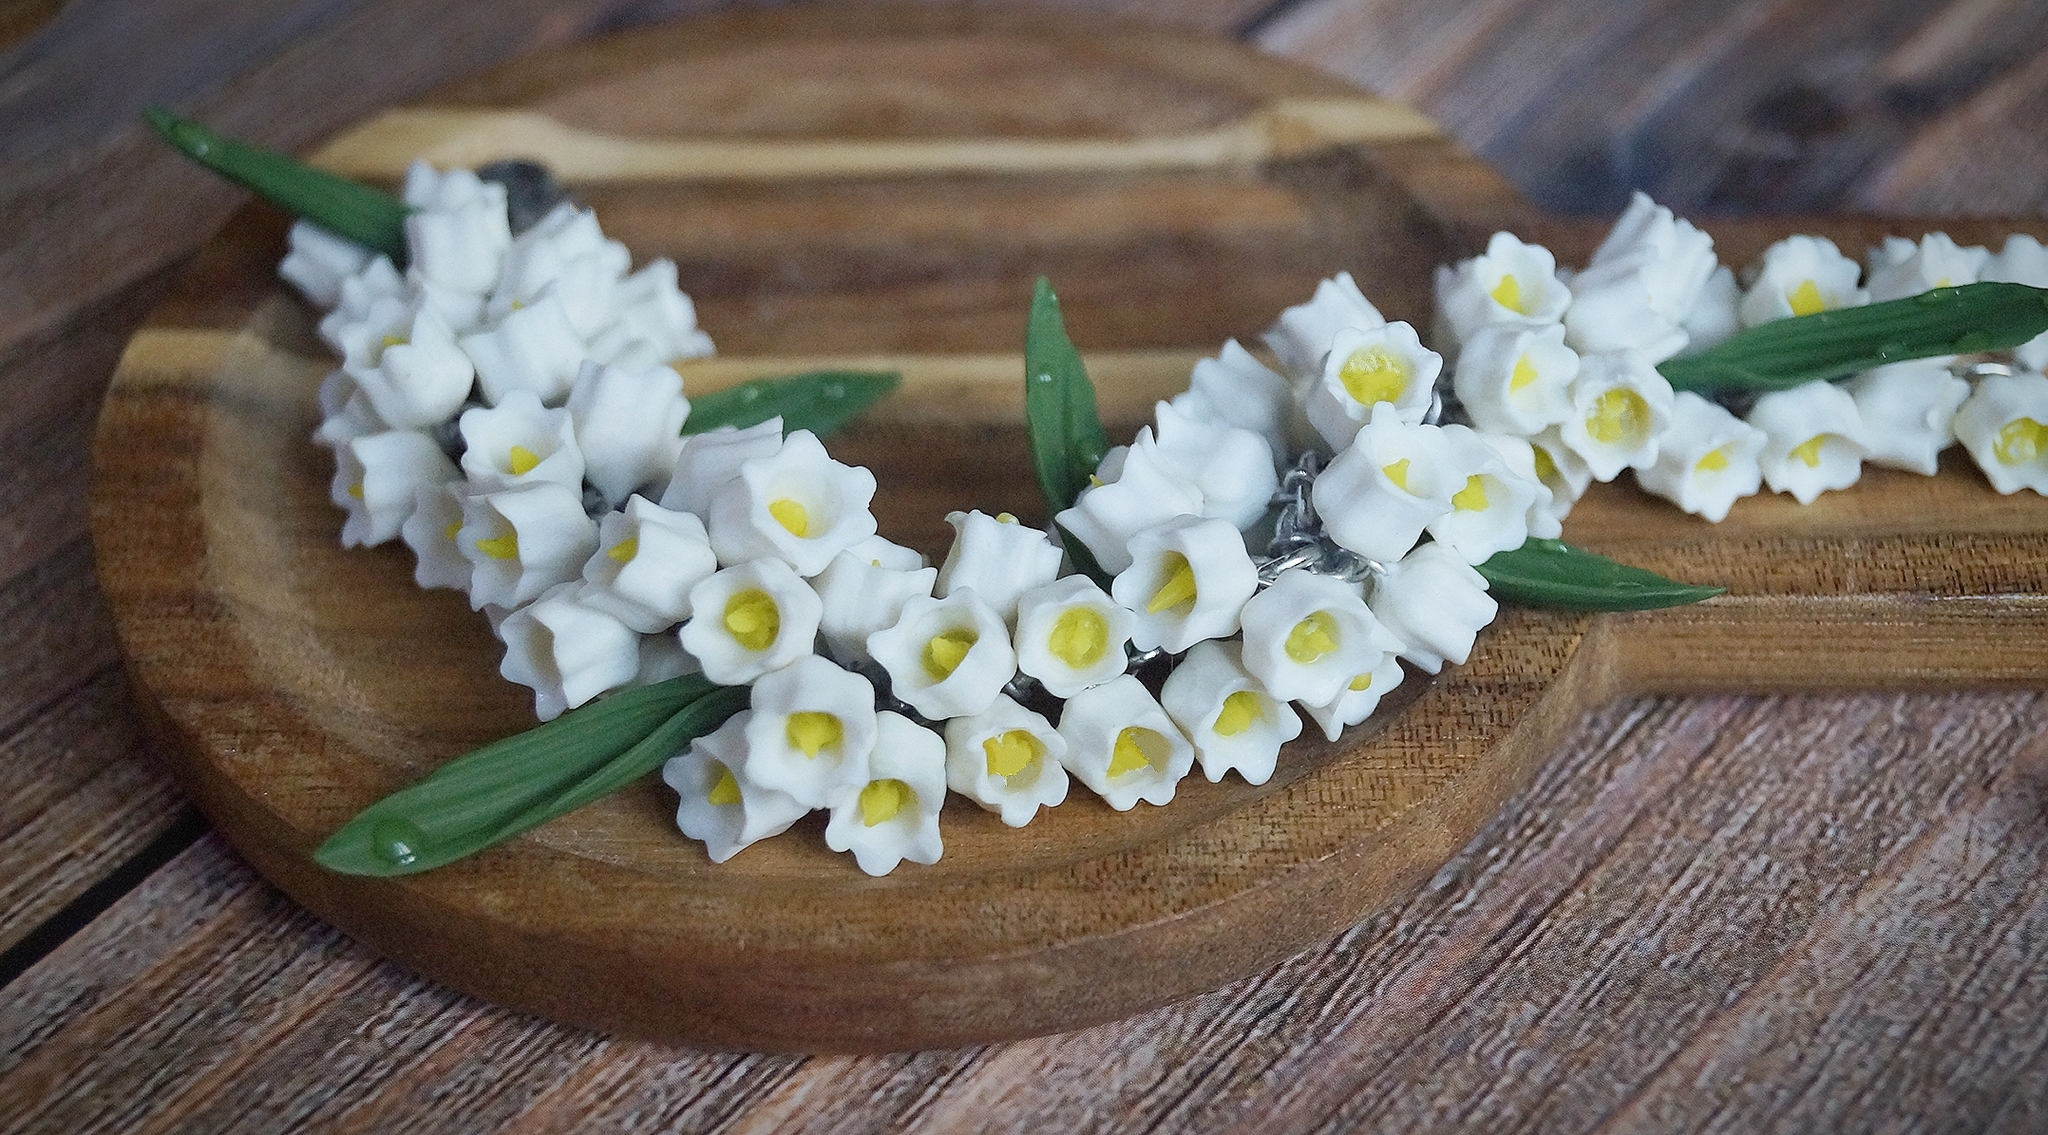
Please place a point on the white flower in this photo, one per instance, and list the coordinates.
(1235, 389)
(1520, 458)
(1307, 635)
(721, 805)
(1006, 759)
(629, 425)
(1141, 494)
(1706, 460)
(647, 560)
(564, 252)
(1434, 604)
(812, 731)
(533, 348)
(566, 650)
(521, 442)
(862, 596)
(344, 412)
(797, 505)
(1901, 268)
(997, 557)
(413, 375)
(1908, 412)
(662, 658)
(377, 478)
(1232, 723)
(1188, 580)
(2004, 425)
(1386, 364)
(883, 553)
(1515, 379)
(463, 311)
(2023, 261)
(1490, 511)
(1512, 283)
(1801, 275)
(653, 322)
(1561, 470)
(749, 619)
(1231, 468)
(1122, 745)
(1303, 334)
(1641, 285)
(358, 295)
(946, 657)
(1620, 404)
(1382, 490)
(457, 232)
(710, 459)
(895, 815)
(1713, 319)
(1071, 635)
(430, 532)
(319, 261)
(520, 542)
(1360, 697)
(1814, 439)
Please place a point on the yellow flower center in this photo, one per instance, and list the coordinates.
(624, 550)
(2022, 440)
(1240, 712)
(1508, 294)
(1079, 637)
(1471, 498)
(812, 732)
(1808, 451)
(1006, 518)
(1715, 461)
(1178, 586)
(1312, 638)
(521, 460)
(1361, 683)
(1010, 754)
(504, 547)
(882, 799)
(726, 790)
(451, 530)
(1128, 754)
(356, 490)
(1371, 375)
(1806, 298)
(1397, 473)
(1523, 374)
(752, 619)
(1546, 466)
(1620, 417)
(943, 654)
(792, 516)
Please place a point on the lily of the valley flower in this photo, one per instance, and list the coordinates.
(1520, 458)
(721, 805)
(1303, 334)
(2004, 425)
(534, 347)
(1361, 696)
(344, 412)
(1122, 745)
(377, 282)
(521, 442)
(708, 460)
(1386, 486)
(946, 657)
(750, 619)
(1071, 635)
(1433, 605)
(1232, 468)
(798, 505)
(1713, 318)
(414, 376)
(1512, 283)
(1188, 580)
(1814, 439)
(1908, 412)
(998, 558)
(566, 650)
(1232, 722)
(430, 532)
(647, 560)
(812, 731)
(1620, 405)
(1561, 470)
(521, 541)
(662, 658)
(1901, 268)
(1006, 759)
(1138, 493)
(1516, 379)
(1365, 368)
(457, 232)
(895, 815)
(1801, 275)
(319, 261)
(629, 424)
(1706, 460)
(567, 253)
(653, 321)
(1641, 285)
(377, 478)
(1308, 635)
(1490, 512)
(862, 596)
(1235, 389)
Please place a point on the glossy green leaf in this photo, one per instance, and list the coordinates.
(1548, 573)
(818, 401)
(1082, 557)
(1067, 439)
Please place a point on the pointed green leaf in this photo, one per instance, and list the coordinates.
(818, 401)
(1067, 439)
(1548, 573)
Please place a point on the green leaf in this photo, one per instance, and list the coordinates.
(818, 401)
(496, 792)
(1083, 558)
(1548, 573)
(1067, 439)
(1828, 345)
(348, 209)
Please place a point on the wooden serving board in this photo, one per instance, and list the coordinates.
(882, 187)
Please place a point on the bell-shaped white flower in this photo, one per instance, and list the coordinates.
(1516, 379)
(1140, 494)
(521, 541)
(998, 558)
(1620, 405)
(1235, 389)
(1801, 275)
(462, 311)
(564, 252)
(652, 321)
(1232, 722)
(2004, 425)
(533, 348)
(344, 412)
(1386, 486)
(1512, 283)
(1434, 604)
(1360, 698)
(1231, 468)
(1307, 635)
(414, 375)
(1071, 635)
(521, 442)
(377, 478)
(662, 657)
(1901, 268)
(2023, 261)
(884, 553)
(1189, 579)
(1122, 745)
(710, 459)
(1561, 470)
(360, 335)
(1520, 458)
(430, 532)
(1706, 460)
(1908, 412)
(812, 731)
(1714, 318)
(377, 282)
(318, 261)
(1303, 334)
(457, 232)
(946, 657)
(629, 425)
(797, 505)
(647, 560)
(566, 650)
(1642, 284)
(721, 805)
(862, 596)
(1813, 439)
(750, 619)
(1006, 759)
(1365, 368)
(1490, 511)
(895, 815)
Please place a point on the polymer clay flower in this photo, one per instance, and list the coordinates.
(344, 412)
(2004, 425)
(534, 348)
(708, 460)
(947, 657)
(318, 261)
(1139, 494)
(1236, 389)
(862, 595)
(358, 295)
(521, 541)
(1434, 605)
(1714, 318)
(647, 560)
(1801, 275)
(1511, 283)
(414, 376)
(1813, 439)
(430, 532)
(1490, 511)
(457, 232)
(1908, 412)
(1307, 635)
(1901, 268)
(812, 731)
(1230, 720)
(1520, 458)
(895, 815)
(1386, 486)
(377, 478)
(1516, 379)
(1361, 696)
(1641, 285)
(1006, 759)
(1365, 368)
(564, 252)
(721, 805)
(652, 321)
(797, 505)
(1301, 337)
(521, 442)
(1620, 405)
(1122, 745)
(750, 619)
(1071, 635)
(629, 425)
(662, 658)
(2023, 261)
(1706, 460)
(998, 558)
(1232, 468)
(1561, 470)
(1188, 580)
(567, 651)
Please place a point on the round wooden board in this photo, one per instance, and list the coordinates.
(886, 185)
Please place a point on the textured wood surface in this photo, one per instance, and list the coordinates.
(1891, 988)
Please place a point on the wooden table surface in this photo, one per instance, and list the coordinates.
(1738, 913)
